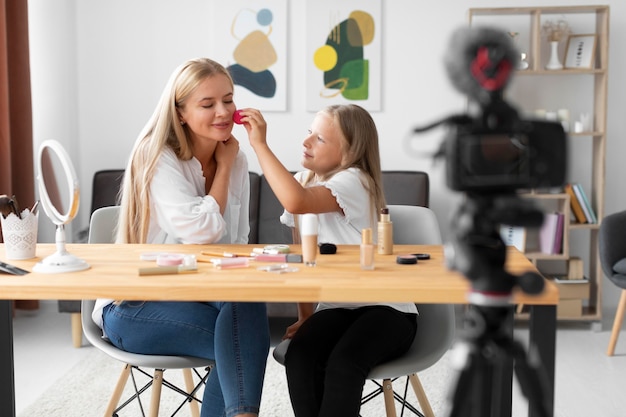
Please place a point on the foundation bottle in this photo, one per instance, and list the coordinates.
(385, 233)
(367, 250)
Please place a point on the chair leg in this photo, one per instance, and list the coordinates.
(77, 330)
(117, 393)
(193, 404)
(617, 323)
(155, 399)
(421, 395)
(390, 406)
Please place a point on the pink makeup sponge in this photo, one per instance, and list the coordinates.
(237, 117)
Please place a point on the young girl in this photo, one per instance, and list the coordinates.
(333, 350)
(187, 182)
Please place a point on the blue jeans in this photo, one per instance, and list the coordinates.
(235, 335)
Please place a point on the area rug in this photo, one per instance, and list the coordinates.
(85, 390)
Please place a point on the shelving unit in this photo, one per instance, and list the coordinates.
(579, 91)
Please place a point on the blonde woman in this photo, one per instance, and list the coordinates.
(187, 182)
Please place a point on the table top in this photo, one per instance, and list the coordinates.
(113, 273)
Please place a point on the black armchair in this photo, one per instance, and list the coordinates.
(613, 259)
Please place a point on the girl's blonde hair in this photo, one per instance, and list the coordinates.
(361, 148)
(162, 130)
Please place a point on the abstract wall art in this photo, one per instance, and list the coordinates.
(343, 53)
(250, 38)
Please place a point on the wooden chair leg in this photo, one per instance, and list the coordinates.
(421, 395)
(117, 393)
(617, 323)
(193, 405)
(390, 406)
(77, 330)
(155, 399)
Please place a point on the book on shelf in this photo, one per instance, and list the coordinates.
(551, 233)
(584, 202)
(577, 209)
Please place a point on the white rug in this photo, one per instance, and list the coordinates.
(85, 390)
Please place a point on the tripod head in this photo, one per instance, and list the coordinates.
(478, 251)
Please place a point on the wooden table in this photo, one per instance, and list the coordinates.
(114, 274)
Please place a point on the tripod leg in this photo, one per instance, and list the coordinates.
(532, 379)
(468, 360)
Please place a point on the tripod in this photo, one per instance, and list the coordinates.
(479, 253)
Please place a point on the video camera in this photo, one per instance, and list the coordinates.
(495, 151)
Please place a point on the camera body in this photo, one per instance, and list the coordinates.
(524, 154)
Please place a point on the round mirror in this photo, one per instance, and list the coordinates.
(59, 194)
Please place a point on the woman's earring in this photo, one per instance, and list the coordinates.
(182, 123)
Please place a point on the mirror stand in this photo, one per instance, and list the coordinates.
(59, 193)
(61, 261)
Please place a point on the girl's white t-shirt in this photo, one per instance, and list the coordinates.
(350, 188)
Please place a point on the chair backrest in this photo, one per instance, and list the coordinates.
(103, 225)
(411, 188)
(105, 188)
(414, 225)
(612, 241)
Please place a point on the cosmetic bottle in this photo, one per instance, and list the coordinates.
(308, 236)
(385, 233)
(367, 250)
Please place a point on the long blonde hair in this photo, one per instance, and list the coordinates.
(162, 130)
(361, 149)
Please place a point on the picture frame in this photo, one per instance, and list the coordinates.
(514, 236)
(580, 51)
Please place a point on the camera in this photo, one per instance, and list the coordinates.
(495, 150)
(524, 154)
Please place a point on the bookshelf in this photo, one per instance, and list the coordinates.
(577, 96)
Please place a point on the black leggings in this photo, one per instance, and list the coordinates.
(331, 354)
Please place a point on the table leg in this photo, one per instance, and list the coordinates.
(542, 332)
(7, 382)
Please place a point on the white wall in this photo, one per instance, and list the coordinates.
(99, 67)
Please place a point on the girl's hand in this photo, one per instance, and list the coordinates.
(291, 330)
(255, 125)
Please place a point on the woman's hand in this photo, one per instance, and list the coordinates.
(226, 152)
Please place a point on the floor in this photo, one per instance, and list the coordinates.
(587, 381)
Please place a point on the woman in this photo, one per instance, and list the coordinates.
(187, 182)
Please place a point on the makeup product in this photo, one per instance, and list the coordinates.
(279, 257)
(12, 269)
(237, 117)
(385, 233)
(227, 263)
(226, 254)
(189, 265)
(308, 236)
(168, 270)
(406, 259)
(327, 248)
(170, 259)
(367, 250)
(278, 268)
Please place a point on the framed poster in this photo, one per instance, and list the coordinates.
(251, 42)
(343, 53)
(580, 52)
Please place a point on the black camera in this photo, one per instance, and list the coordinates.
(523, 155)
(495, 151)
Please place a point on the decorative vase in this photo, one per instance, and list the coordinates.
(554, 63)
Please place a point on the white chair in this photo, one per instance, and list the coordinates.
(436, 322)
(101, 230)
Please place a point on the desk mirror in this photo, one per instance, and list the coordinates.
(59, 194)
